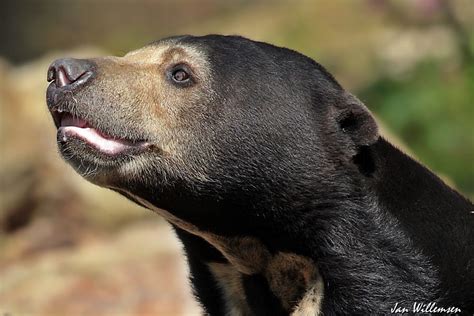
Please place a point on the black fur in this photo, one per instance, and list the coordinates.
(298, 164)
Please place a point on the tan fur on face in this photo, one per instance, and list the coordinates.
(135, 91)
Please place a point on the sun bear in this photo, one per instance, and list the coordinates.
(276, 180)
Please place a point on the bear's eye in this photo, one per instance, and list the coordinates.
(180, 75)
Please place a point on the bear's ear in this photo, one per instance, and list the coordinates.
(355, 120)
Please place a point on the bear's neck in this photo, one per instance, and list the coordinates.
(412, 193)
(363, 246)
(437, 219)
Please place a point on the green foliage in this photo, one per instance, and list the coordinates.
(432, 110)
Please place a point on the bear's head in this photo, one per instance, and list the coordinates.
(204, 125)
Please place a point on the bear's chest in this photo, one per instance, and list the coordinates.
(292, 280)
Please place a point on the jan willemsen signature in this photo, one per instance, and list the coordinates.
(424, 308)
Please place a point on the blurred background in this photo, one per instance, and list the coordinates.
(70, 248)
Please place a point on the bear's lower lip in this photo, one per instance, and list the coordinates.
(73, 127)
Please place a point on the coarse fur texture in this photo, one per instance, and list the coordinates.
(284, 196)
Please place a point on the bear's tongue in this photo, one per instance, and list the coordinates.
(71, 126)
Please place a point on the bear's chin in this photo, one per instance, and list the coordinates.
(99, 165)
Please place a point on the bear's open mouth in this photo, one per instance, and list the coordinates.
(70, 126)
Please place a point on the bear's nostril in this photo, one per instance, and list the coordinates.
(67, 71)
(62, 78)
(51, 74)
